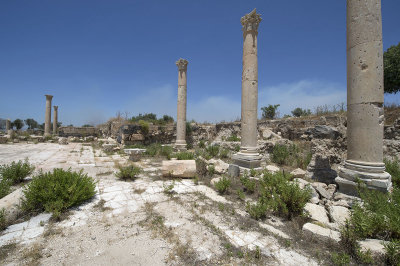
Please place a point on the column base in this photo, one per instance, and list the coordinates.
(372, 175)
(247, 160)
(180, 145)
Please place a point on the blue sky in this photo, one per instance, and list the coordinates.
(100, 57)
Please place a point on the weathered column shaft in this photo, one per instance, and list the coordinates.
(249, 90)
(8, 125)
(55, 120)
(365, 118)
(248, 156)
(47, 119)
(181, 108)
(364, 82)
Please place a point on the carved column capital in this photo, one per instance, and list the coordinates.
(250, 22)
(182, 64)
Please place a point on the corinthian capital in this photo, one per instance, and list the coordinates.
(250, 21)
(182, 64)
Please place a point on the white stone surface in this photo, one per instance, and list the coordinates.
(321, 231)
(317, 213)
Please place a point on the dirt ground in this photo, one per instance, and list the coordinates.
(143, 222)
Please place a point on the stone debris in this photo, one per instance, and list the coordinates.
(272, 168)
(298, 173)
(179, 168)
(321, 231)
(317, 213)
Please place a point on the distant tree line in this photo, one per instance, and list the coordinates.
(152, 118)
(19, 124)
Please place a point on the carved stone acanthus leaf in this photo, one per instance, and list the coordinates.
(182, 64)
(250, 21)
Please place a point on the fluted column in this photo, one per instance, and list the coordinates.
(248, 155)
(55, 120)
(47, 119)
(180, 143)
(365, 118)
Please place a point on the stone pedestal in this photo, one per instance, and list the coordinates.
(365, 118)
(55, 120)
(180, 143)
(47, 119)
(248, 155)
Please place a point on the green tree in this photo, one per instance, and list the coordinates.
(18, 123)
(297, 112)
(31, 123)
(269, 112)
(391, 63)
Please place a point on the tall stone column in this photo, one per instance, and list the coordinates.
(55, 120)
(248, 155)
(365, 118)
(180, 143)
(47, 119)
(8, 127)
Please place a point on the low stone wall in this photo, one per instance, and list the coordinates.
(78, 132)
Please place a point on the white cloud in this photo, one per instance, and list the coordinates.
(305, 94)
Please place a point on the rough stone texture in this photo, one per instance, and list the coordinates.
(55, 120)
(321, 231)
(109, 147)
(317, 213)
(62, 141)
(322, 189)
(180, 143)
(298, 173)
(248, 156)
(365, 118)
(375, 245)
(272, 168)
(78, 132)
(3, 139)
(220, 166)
(10, 203)
(339, 214)
(47, 119)
(179, 168)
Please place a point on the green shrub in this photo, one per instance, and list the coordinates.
(4, 187)
(223, 185)
(128, 172)
(249, 185)
(57, 191)
(270, 111)
(211, 170)
(202, 144)
(223, 153)
(233, 137)
(393, 168)
(16, 171)
(291, 155)
(157, 149)
(3, 221)
(280, 154)
(237, 148)
(144, 127)
(393, 252)
(185, 155)
(189, 129)
(340, 259)
(280, 196)
(213, 150)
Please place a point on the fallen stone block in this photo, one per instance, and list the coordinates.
(317, 213)
(321, 231)
(62, 141)
(220, 166)
(272, 168)
(179, 168)
(298, 173)
(3, 139)
(11, 204)
(375, 245)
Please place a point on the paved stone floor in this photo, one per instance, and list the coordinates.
(114, 232)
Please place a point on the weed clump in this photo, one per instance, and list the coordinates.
(393, 168)
(280, 196)
(16, 171)
(57, 191)
(4, 187)
(291, 155)
(157, 149)
(233, 137)
(3, 221)
(223, 185)
(184, 155)
(130, 172)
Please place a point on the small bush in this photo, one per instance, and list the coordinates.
(16, 171)
(280, 154)
(237, 148)
(184, 155)
(233, 137)
(223, 185)
(280, 196)
(157, 149)
(128, 172)
(4, 187)
(223, 153)
(3, 221)
(393, 168)
(291, 155)
(213, 150)
(249, 185)
(57, 191)
(393, 252)
(340, 259)
(144, 127)
(211, 170)
(202, 144)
